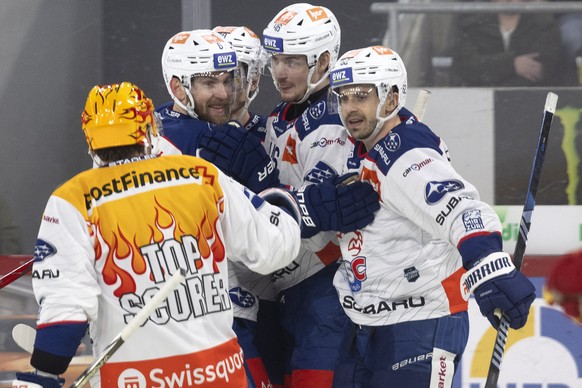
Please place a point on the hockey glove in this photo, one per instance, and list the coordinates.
(37, 380)
(240, 155)
(284, 200)
(335, 205)
(496, 284)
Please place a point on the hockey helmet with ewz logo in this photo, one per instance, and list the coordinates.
(194, 53)
(304, 29)
(378, 66)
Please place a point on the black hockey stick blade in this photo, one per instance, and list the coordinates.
(530, 201)
(131, 326)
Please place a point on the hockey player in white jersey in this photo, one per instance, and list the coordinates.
(248, 289)
(309, 147)
(405, 279)
(110, 237)
(251, 60)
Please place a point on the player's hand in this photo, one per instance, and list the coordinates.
(240, 155)
(342, 204)
(497, 285)
(283, 199)
(36, 380)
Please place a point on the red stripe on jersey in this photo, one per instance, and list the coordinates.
(452, 287)
(329, 254)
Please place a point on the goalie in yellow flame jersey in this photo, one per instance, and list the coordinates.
(110, 238)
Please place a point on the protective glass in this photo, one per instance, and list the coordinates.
(342, 95)
(286, 63)
(230, 82)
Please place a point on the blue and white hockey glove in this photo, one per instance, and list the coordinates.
(239, 155)
(37, 379)
(284, 200)
(496, 284)
(335, 205)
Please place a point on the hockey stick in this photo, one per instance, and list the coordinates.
(16, 274)
(24, 336)
(421, 104)
(530, 201)
(131, 326)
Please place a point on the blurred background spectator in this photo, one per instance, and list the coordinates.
(570, 24)
(510, 49)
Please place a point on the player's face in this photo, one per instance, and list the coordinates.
(213, 95)
(240, 97)
(358, 105)
(290, 73)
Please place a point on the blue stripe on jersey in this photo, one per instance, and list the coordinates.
(479, 245)
(60, 339)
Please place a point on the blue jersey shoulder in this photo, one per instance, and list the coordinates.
(181, 130)
(316, 115)
(406, 136)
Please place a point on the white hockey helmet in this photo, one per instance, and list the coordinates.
(374, 65)
(193, 53)
(304, 29)
(248, 51)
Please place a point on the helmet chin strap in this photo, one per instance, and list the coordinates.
(312, 86)
(382, 120)
(189, 108)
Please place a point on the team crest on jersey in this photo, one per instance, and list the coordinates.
(472, 220)
(290, 152)
(42, 250)
(411, 274)
(241, 297)
(316, 111)
(319, 173)
(356, 272)
(436, 190)
(392, 141)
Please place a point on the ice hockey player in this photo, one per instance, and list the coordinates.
(405, 279)
(110, 237)
(202, 76)
(309, 146)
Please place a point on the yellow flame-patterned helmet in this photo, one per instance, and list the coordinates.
(117, 115)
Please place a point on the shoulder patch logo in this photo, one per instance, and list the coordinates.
(392, 142)
(241, 297)
(317, 110)
(436, 190)
(42, 250)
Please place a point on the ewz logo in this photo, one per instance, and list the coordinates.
(224, 60)
(340, 77)
(545, 353)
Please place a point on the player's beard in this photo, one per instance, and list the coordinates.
(210, 113)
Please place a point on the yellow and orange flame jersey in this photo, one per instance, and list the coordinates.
(111, 237)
